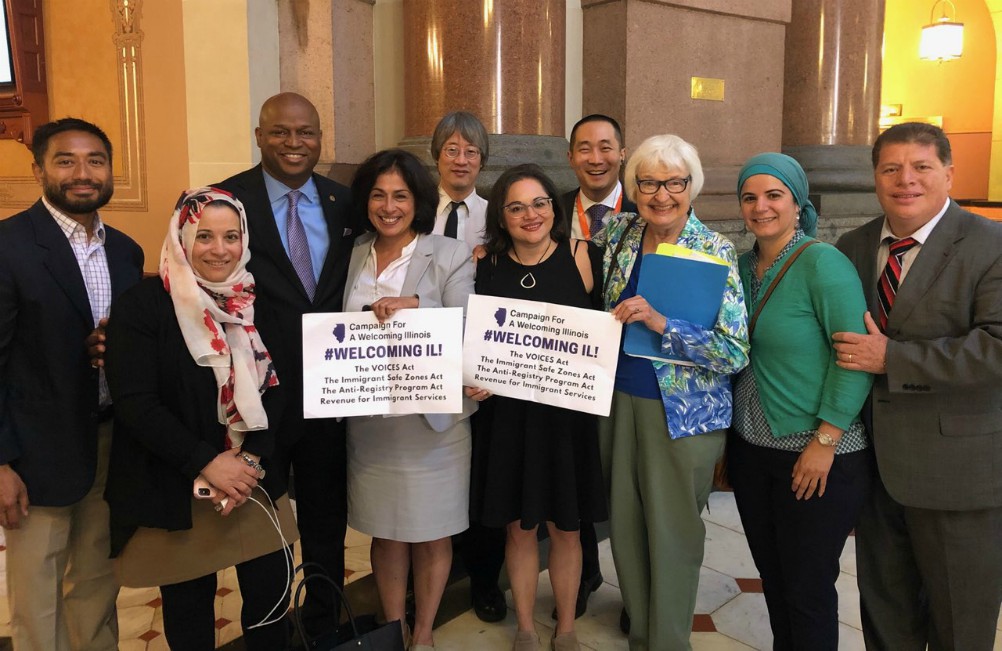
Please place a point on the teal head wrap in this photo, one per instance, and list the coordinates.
(792, 175)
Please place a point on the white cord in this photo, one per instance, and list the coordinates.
(287, 554)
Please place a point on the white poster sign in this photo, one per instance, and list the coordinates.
(355, 366)
(553, 354)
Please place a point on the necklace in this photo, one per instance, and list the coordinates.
(528, 280)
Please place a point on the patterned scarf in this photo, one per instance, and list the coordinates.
(217, 319)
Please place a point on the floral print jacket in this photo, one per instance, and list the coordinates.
(697, 399)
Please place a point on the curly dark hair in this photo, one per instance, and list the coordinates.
(414, 174)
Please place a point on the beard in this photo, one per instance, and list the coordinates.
(58, 195)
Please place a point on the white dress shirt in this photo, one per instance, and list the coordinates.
(472, 217)
(587, 203)
(920, 236)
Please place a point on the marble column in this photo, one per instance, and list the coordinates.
(325, 54)
(501, 60)
(831, 90)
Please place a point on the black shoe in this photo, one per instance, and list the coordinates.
(587, 587)
(624, 622)
(489, 605)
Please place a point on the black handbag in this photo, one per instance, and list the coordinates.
(365, 633)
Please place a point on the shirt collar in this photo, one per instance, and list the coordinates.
(445, 199)
(922, 234)
(277, 190)
(610, 200)
(69, 226)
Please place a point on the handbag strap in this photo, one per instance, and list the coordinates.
(775, 281)
(321, 575)
(615, 254)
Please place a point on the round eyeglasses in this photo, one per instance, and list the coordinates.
(452, 151)
(539, 205)
(673, 186)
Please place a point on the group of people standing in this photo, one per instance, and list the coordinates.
(832, 410)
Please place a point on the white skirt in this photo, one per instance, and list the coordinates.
(407, 482)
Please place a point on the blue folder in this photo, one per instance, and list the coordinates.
(679, 288)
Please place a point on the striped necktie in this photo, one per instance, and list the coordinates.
(887, 286)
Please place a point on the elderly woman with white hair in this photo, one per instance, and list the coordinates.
(667, 426)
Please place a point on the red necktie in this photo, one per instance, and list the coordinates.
(887, 286)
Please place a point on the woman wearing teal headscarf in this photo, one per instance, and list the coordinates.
(799, 462)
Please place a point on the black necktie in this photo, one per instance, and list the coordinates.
(452, 222)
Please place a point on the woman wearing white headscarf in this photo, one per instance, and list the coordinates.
(194, 389)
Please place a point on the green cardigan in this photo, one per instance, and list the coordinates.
(792, 356)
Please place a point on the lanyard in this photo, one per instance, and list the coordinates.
(583, 220)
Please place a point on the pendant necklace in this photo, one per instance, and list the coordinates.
(528, 280)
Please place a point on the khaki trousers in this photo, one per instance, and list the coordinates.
(60, 582)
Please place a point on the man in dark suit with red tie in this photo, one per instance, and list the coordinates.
(929, 541)
(301, 241)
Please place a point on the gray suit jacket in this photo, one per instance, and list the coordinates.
(937, 412)
(440, 274)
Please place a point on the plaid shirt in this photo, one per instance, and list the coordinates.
(93, 263)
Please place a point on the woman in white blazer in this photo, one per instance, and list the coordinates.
(408, 476)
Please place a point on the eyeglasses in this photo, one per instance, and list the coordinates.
(673, 186)
(539, 205)
(452, 151)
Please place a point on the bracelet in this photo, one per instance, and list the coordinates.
(253, 464)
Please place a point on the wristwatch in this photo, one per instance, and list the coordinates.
(826, 440)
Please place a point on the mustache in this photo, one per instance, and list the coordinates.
(81, 184)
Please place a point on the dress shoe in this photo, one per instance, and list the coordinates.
(489, 605)
(587, 587)
(624, 622)
(526, 641)
(565, 642)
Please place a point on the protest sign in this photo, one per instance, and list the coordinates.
(553, 354)
(355, 366)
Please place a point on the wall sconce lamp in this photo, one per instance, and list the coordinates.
(942, 38)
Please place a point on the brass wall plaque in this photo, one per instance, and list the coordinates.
(707, 88)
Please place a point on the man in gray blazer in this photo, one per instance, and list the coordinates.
(929, 542)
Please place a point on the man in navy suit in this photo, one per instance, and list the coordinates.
(596, 155)
(301, 241)
(60, 268)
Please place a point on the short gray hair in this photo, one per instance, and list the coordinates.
(668, 150)
(468, 126)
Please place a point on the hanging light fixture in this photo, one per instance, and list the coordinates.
(942, 38)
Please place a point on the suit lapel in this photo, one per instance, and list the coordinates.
(420, 261)
(932, 258)
(335, 232)
(60, 261)
(120, 269)
(866, 263)
(262, 223)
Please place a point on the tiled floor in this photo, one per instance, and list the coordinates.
(731, 613)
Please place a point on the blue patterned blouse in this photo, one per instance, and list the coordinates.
(697, 399)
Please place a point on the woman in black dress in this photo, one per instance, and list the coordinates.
(535, 463)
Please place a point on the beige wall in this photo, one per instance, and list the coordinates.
(959, 91)
(86, 80)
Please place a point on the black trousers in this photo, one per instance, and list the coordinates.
(317, 459)
(796, 544)
(189, 612)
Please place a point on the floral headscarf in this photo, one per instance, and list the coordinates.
(217, 319)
